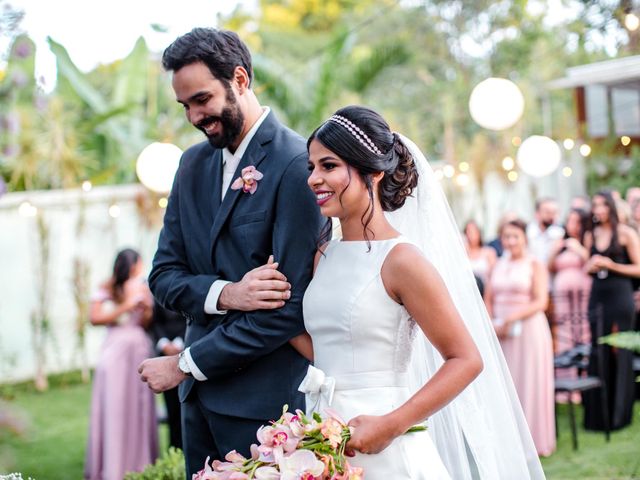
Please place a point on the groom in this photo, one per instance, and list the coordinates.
(237, 199)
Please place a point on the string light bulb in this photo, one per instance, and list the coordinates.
(585, 150)
(508, 163)
(448, 171)
(114, 211)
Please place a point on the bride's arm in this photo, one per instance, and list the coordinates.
(302, 343)
(414, 282)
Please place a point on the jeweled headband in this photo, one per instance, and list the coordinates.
(362, 137)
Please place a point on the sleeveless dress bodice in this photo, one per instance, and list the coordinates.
(356, 327)
(362, 342)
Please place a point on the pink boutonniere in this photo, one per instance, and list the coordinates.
(248, 180)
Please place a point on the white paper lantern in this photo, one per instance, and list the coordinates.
(157, 165)
(538, 156)
(496, 103)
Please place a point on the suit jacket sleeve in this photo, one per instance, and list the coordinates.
(171, 280)
(231, 346)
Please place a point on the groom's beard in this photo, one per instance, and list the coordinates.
(231, 122)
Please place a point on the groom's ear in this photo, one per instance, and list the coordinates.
(241, 79)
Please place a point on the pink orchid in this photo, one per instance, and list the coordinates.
(208, 473)
(300, 465)
(267, 473)
(204, 474)
(248, 180)
(294, 422)
(234, 461)
(276, 440)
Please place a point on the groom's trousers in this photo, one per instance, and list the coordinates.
(210, 434)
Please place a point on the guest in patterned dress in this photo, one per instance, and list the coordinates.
(570, 290)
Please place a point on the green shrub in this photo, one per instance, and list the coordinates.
(168, 467)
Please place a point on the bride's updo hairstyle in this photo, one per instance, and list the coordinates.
(363, 139)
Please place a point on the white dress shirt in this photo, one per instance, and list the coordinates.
(541, 241)
(230, 162)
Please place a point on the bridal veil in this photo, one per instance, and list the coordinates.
(482, 433)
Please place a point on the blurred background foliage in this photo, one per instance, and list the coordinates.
(414, 61)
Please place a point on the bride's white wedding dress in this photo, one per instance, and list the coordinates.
(362, 341)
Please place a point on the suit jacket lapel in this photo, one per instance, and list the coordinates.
(254, 155)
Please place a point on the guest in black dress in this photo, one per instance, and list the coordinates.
(614, 262)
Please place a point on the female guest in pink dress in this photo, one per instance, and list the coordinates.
(571, 287)
(482, 258)
(516, 298)
(122, 431)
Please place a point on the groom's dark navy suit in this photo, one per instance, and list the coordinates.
(252, 371)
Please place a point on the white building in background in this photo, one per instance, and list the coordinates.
(115, 217)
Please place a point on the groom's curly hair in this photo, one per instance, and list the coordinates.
(220, 50)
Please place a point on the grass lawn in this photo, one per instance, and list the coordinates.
(595, 458)
(53, 444)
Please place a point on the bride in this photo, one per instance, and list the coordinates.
(396, 329)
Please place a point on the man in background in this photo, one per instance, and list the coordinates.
(543, 231)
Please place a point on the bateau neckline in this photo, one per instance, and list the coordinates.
(370, 241)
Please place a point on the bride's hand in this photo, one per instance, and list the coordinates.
(369, 434)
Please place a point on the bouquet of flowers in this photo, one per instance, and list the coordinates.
(294, 447)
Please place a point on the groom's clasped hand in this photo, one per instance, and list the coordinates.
(262, 288)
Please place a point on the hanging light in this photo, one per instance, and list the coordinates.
(157, 165)
(512, 176)
(631, 21)
(567, 171)
(86, 186)
(538, 156)
(568, 143)
(496, 103)
(625, 140)
(463, 166)
(163, 202)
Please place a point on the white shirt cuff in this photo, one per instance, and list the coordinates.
(195, 371)
(162, 343)
(211, 302)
